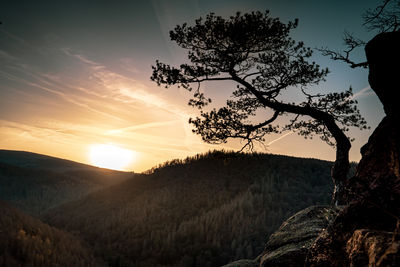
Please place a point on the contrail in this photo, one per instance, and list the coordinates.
(361, 92)
(279, 138)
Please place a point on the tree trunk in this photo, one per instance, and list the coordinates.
(339, 171)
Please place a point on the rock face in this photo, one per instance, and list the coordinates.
(369, 247)
(289, 245)
(366, 232)
(383, 57)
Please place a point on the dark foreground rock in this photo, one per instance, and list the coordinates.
(289, 245)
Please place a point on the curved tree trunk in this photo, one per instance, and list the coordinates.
(340, 168)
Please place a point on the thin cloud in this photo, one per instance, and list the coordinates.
(143, 126)
(59, 93)
(39, 132)
(128, 91)
(80, 57)
(87, 61)
(7, 56)
(73, 101)
(16, 38)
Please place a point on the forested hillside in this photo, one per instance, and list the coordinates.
(34, 183)
(25, 241)
(43, 162)
(206, 210)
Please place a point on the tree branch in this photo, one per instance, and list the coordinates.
(341, 166)
(210, 79)
(334, 55)
(378, 11)
(260, 125)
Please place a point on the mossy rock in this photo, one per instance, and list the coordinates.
(289, 245)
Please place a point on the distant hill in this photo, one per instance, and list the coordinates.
(42, 162)
(26, 241)
(207, 210)
(34, 183)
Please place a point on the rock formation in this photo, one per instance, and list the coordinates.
(366, 232)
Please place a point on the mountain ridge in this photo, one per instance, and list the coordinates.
(29, 159)
(34, 183)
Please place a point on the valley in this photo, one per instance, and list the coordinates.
(206, 210)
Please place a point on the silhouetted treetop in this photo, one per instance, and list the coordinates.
(257, 55)
(253, 45)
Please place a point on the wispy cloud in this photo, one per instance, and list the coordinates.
(128, 90)
(143, 126)
(29, 131)
(81, 57)
(65, 96)
(7, 56)
(20, 41)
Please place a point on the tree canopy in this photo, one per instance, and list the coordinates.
(256, 52)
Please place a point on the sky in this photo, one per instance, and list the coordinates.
(75, 76)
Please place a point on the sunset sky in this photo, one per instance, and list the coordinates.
(75, 75)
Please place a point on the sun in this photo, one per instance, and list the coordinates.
(111, 157)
